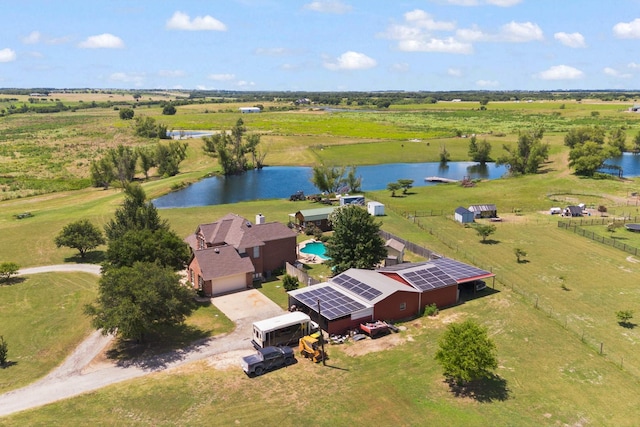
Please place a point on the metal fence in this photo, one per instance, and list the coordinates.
(577, 227)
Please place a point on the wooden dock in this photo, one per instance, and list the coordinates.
(439, 179)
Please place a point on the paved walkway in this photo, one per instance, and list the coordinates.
(78, 374)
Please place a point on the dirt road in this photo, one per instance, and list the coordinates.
(78, 374)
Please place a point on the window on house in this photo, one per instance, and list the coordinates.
(200, 282)
(256, 252)
(191, 275)
(403, 306)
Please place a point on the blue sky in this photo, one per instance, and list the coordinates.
(321, 45)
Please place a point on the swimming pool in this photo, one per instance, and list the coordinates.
(315, 248)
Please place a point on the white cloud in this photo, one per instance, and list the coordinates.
(400, 67)
(448, 45)
(7, 55)
(182, 21)
(137, 79)
(513, 32)
(518, 32)
(351, 61)
(487, 83)
(615, 73)
(422, 19)
(58, 40)
(33, 38)
(336, 7)
(627, 30)
(221, 77)
(501, 3)
(471, 35)
(243, 83)
(454, 72)
(102, 41)
(570, 39)
(171, 73)
(560, 72)
(633, 66)
(272, 51)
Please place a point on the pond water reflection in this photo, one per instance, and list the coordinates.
(281, 181)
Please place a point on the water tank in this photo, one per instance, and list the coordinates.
(259, 219)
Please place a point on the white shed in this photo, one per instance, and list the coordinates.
(463, 215)
(245, 110)
(375, 208)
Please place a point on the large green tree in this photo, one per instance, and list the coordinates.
(124, 160)
(528, 154)
(589, 150)
(479, 151)
(169, 156)
(132, 301)
(162, 246)
(102, 173)
(231, 148)
(134, 214)
(466, 353)
(331, 179)
(82, 235)
(355, 242)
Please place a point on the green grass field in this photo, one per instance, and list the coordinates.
(549, 316)
(41, 319)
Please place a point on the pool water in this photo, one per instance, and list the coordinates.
(315, 248)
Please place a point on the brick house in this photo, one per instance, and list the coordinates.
(231, 253)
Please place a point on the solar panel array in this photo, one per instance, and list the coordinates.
(333, 304)
(356, 286)
(459, 270)
(428, 278)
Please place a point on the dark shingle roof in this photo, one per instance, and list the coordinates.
(222, 261)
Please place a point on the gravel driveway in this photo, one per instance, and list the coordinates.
(78, 374)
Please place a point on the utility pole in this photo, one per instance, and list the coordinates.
(324, 355)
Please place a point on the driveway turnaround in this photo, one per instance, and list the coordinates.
(78, 375)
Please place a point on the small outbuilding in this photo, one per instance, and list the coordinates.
(318, 217)
(484, 211)
(375, 208)
(245, 110)
(395, 252)
(463, 215)
(572, 211)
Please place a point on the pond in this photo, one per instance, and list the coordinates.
(277, 182)
(629, 162)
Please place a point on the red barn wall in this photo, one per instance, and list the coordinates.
(389, 308)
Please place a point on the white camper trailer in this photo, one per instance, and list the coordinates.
(286, 329)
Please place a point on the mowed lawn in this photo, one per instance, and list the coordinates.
(547, 376)
(42, 322)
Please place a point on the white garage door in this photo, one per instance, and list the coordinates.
(227, 284)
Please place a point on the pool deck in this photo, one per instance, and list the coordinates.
(308, 258)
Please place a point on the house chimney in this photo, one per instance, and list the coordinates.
(259, 219)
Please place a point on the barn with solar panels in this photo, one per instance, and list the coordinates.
(392, 293)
